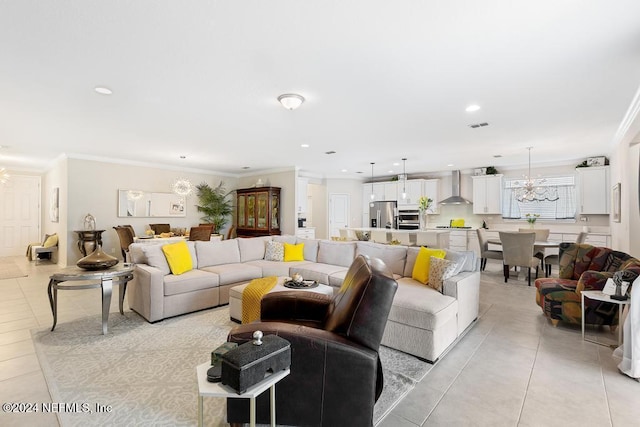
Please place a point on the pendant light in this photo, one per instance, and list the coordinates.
(404, 180)
(373, 196)
(532, 190)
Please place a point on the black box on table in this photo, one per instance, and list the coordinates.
(248, 364)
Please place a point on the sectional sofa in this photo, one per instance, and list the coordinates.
(422, 321)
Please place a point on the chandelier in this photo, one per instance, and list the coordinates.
(533, 190)
(4, 176)
(182, 187)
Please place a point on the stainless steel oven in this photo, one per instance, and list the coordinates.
(408, 219)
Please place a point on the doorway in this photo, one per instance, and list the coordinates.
(339, 212)
(20, 214)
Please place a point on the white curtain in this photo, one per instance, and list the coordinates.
(629, 351)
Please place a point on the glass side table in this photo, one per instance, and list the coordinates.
(209, 389)
(121, 273)
(600, 296)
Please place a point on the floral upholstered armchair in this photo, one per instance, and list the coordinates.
(583, 267)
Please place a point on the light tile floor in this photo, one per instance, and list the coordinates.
(512, 368)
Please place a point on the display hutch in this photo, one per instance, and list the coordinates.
(258, 211)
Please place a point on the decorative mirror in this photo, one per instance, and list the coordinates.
(145, 204)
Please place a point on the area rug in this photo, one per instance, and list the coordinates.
(144, 374)
(9, 269)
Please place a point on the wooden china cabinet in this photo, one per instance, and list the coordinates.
(258, 211)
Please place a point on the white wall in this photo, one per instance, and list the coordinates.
(93, 188)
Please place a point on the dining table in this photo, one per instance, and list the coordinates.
(537, 245)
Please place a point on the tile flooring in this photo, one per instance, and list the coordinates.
(512, 368)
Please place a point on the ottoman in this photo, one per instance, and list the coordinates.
(235, 296)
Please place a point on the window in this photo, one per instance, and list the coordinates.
(563, 208)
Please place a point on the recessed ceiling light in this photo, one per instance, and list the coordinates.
(471, 108)
(390, 171)
(396, 164)
(304, 145)
(343, 170)
(103, 90)
(450, 165)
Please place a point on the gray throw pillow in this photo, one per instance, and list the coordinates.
(156, 258)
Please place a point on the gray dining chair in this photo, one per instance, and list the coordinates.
(485, 252)
(517, 251)
(554, 259)
(542, 235)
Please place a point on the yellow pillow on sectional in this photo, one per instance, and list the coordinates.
(178, 257)
(50, 241)
(423, 262)
(294, 252)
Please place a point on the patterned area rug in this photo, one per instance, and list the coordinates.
(9, 269)
(146, 372)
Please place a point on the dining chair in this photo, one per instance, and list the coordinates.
(201, 232)
(231, 234)
(517, 251)
(403, 238)
(126, 236)
(542, 235)
(554, 259)
(379, 236)
(160, 228)
(485, 252)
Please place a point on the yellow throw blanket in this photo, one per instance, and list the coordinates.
(252, 296)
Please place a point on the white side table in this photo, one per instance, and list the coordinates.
(209, 389)
(599, 296)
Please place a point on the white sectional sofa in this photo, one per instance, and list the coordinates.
(422, 321)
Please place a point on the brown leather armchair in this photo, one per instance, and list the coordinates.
(336, 375)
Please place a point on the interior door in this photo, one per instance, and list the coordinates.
(339, 210)
(19, 214)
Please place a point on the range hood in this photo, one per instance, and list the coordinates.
(455, 198)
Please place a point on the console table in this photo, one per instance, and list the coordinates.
(88, 240)
(103, 279)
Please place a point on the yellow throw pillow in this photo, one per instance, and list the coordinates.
(423, 262)
(294, 252)
(50, 241)
(178, 257)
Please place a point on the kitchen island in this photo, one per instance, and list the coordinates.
(435, 238)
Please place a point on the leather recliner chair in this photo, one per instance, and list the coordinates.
(336, 375)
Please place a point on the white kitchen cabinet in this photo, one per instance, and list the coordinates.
(306, 233)
(431, 189)
(593, 190)
(487, 194)
(302, 195)
(458, 240)
(382, 191)
(413, 188)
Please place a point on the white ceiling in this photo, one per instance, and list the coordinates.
(382, 80)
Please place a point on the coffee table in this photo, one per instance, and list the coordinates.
(103, 279)
(235, 295)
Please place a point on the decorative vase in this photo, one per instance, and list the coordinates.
(97, 260)
(424, 220)
(532, 225)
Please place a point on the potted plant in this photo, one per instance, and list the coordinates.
(531, 219)
(214, 205)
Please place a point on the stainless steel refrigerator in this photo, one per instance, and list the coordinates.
(383, 214)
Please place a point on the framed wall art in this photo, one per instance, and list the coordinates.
(615, 205)
(54, 206)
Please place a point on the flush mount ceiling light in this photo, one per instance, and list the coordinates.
(291, 101)
(472, 108)
(531, 190)
(4, 176)
(103, 90)
(182, 187)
